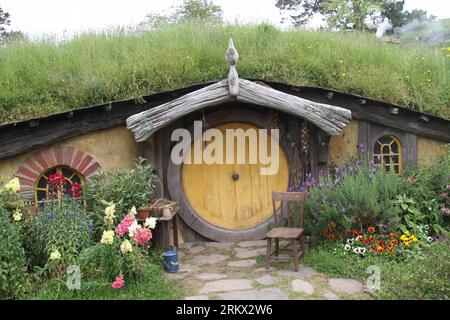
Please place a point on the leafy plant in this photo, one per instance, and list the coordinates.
(125, 188)
(13, 279)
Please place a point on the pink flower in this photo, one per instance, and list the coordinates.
(118, 283)
(142, 236)
(410, 180)
(124, 225)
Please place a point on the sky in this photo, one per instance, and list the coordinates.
(59, 17)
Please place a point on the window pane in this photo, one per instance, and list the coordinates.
(42, 183)
(377, 148)
(394, 147)
(386, 150)
(385, 140)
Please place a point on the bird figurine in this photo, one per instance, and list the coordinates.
(232, 56)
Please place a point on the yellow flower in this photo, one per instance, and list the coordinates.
(343, 74)
(413, 239)
(403, 238)
(17, 215)
(13, 185)
(126, 247)
(340, 61)
(109, 214)
(55, 255)
(407, 233)
(406, 243)
(107, 237)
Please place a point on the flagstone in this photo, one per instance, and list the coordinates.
(186, 267)
(263, 294)
(303, 272)
(209, 259)
(244, 253)
(267, 280)
(206, 276)
(331, 296)
(226, 285)
(349, 286)
(255, 243)
(196, 250)
(302, 286)
(242, 263)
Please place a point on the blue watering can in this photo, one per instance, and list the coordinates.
(170, 259)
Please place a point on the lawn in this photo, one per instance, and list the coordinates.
(47, 76)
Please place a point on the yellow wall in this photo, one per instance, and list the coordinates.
(344, 145)
(112, 148)
(428, 149)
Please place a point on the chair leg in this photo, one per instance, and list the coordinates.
(294, 254)
(277, 246)
(302, 245)
(269, 251)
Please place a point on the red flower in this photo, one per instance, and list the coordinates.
(343, 234)
(392, 235)
(354, 232)
(333, 224)
(75, 190)
(394, 242)
(322, 234)
(390, 249)
(371, 238)
(332, 236)
(328, 229)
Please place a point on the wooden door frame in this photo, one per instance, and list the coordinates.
(175, 185)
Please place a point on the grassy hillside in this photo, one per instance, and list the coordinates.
(42, 77)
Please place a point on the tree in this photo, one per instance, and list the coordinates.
(188, 11)
(349, 14)
(4, 22)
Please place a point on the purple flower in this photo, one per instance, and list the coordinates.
(361, 148)
(370, 177)
(49, 214)
(336, 169)
(350, 169)
(90, 225)
(71, 213)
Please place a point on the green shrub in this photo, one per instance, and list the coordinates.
(125, 188)
(356, 194)
(13, 279)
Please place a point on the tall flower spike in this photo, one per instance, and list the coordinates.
(232, 57)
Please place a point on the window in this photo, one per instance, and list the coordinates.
(387, 153)
(70, 186)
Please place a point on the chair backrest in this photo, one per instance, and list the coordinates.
(288, 199)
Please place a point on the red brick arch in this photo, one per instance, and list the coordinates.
(42, 160)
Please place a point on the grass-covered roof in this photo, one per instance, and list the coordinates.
(43, 77)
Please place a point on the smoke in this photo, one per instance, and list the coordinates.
(384, 26)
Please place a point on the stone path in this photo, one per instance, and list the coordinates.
(236, 271)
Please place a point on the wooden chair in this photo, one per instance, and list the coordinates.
(286, 225)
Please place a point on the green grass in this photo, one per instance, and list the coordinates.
(152, 286)
(44, 77)
(415, 278)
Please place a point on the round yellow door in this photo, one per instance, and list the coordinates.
(235, 196)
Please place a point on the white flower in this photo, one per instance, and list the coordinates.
(150, 222)
(13, 185)
(430, 239)
(347, 247)
(427, 227)
(126, 247)
(350, 241)
(17, 215)
(107, 237)
(109, 214)
(55, 255)
(132, 228)
(133, 211)
(355, 250)
(362, 250)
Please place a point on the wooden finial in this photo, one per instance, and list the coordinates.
(232, 57)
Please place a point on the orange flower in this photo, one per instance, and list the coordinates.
(322, 234)
(328, 229)
(331, 236)
(379, 249)
(392, 235)
(394, 242)
(333, 224)
(390, 249)
(371, 229)
(353, 232)
(371, 238)
(381, 242)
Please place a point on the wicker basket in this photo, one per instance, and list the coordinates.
(159, 206)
